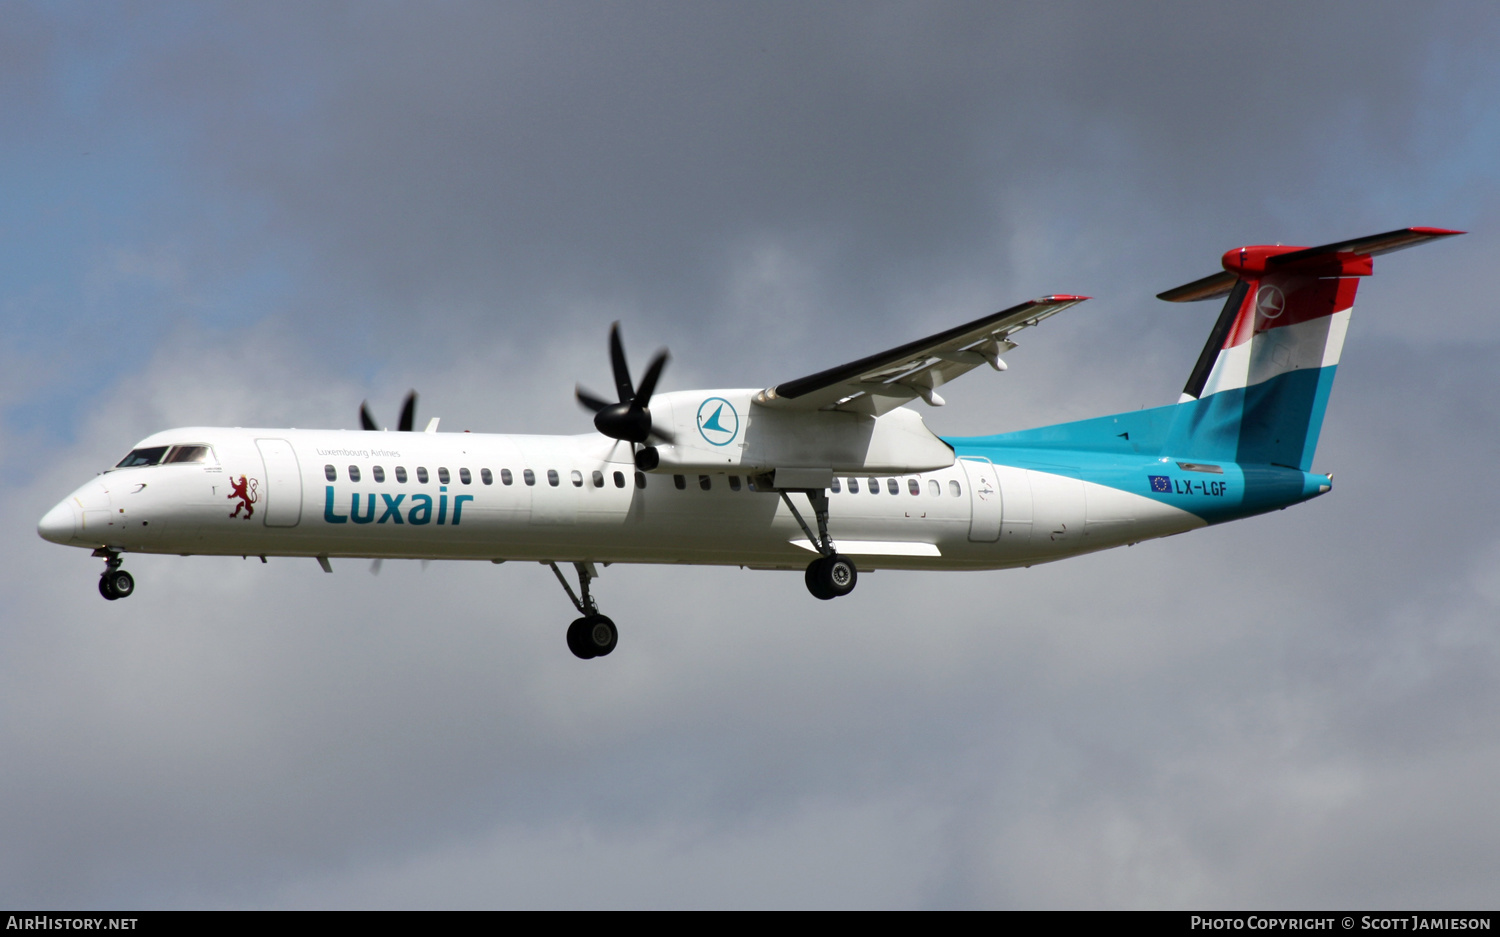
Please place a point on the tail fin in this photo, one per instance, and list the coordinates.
(1259, 389)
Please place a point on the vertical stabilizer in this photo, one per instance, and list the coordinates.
(1259, 389)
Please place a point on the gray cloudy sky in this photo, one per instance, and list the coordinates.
(260, 215)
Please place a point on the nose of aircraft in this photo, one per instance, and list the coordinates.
(59, 524)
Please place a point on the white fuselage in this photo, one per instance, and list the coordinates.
(584, 502)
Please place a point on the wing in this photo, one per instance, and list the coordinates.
(884, 381)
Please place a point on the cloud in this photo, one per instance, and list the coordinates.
(302, 209)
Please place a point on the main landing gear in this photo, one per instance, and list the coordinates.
(593, 635)
(114, 582)
(832, 574)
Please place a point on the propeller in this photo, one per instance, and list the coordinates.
(408, 415)
(630, 419)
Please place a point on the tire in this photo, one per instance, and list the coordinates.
(829, 577)
(121, 583)
(817, 580)
(104, 588)
(840, 575)
(600, 636)
(577, 643)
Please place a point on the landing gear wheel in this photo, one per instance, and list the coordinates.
(116, 584)
(814, 579)
(121, 583)
(829, 577)
(592, 636)
(601, 636)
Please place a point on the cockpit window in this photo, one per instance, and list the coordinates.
(189, 454)
(168, 455)
(149, 456)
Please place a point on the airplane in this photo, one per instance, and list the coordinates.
(717, 476)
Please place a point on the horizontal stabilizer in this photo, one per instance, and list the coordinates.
(1215, 284)
(1340, 258)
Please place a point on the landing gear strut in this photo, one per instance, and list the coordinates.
(832, 574)
(114, 582)
(593, 635)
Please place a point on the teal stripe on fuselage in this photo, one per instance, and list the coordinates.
(1264, 457)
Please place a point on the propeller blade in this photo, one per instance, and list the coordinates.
(408, 412)
(648, 383)
(366, 421)
(589, 400)
(662, 434)
(629, 420)
(623, 387)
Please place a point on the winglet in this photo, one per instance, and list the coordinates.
(1341, 258)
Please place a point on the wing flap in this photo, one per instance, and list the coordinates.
(876, 548)
(881, 382)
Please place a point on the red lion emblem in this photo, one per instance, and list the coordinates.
(248, 492)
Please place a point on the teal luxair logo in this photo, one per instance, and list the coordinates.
(718, 423)
(417, 511)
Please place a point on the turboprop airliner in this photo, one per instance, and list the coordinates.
(828, 474)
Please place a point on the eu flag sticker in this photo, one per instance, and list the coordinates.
(1161, 483)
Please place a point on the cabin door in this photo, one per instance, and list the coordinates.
(281, 494)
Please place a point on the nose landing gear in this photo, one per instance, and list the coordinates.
(593, 635)
(114, 582)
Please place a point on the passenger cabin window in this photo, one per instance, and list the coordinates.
(330, 473)
(552, 478)
(354, 474)
(619, 479)
(139, 457)
(188, 454)
(505, 477)
(422, 474)
(443, 476)
(577, 478)
(401, 474)
(529, 477)
(854, 486)
(953, 488)
(913, 486)
(598, 479)
(874, 485)
(933, 488)
(892, 487)
(465, 477)
(377, 473)
(640, 479)
(734, 483)
(835, 487)
(705, 482)
(680, 482)
(488, 478)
